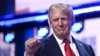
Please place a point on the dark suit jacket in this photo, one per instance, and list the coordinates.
(50, 47)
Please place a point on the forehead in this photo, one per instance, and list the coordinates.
(59, 13)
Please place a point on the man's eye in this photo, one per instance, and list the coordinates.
(55, 19)
(64, 18)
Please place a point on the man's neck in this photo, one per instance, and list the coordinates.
(67, 37)
(62, 36)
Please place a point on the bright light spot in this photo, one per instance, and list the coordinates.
(9, 37)
(76, 27)
(42, 32)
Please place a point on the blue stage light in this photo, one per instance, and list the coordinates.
(7, 16)
(9, 37)
(41, 18)
(23, 20)
(86, 10)
(77, 27)
(42, 32)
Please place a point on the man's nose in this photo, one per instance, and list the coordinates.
(60, 23)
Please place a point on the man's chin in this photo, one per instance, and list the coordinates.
(61, 34)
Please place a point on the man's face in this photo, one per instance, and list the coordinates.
(61, 23)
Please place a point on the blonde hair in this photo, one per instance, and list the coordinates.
(65, 8)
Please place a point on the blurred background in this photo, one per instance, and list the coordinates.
(22, 19)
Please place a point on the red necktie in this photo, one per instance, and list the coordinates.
(68, 50)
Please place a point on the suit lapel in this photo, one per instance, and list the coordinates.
(81, 49)
(52, 47)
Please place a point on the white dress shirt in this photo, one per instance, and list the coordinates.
(61, 44)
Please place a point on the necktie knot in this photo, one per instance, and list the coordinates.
(67, 48)
(66, 41)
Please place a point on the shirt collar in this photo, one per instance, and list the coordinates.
(60, 41)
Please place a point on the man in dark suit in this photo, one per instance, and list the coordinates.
(60, 43)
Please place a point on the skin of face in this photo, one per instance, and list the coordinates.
(61, 23)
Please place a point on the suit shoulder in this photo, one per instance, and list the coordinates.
(83, 43)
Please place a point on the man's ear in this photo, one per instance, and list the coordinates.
(49, 22)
